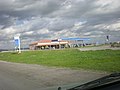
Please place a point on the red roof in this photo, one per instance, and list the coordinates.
(34, 43)
(44, 41)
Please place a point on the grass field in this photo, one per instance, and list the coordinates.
(103, 60)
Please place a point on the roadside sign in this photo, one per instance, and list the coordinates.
(17, 42)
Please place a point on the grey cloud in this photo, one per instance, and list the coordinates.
(103, 18)
(59, 17)
(6, 21)
(77, 10)
(25, 9)
(60, 24)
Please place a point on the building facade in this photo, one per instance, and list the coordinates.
(48, 44)
(58, 43)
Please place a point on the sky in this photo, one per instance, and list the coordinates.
(34, 20)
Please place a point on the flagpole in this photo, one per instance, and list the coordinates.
(19, 46)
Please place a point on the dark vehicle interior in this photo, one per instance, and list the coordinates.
(110, 82)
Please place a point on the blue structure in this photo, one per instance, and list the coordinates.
(76, 39)
(76, 42)
(17, 42)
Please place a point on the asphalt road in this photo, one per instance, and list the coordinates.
(14, 76)
(98, 48)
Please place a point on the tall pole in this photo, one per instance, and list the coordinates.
(19, 46)
(107, 36)
(59, 43)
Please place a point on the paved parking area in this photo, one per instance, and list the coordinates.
(15, 76)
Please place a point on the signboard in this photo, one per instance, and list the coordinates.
(17, 42)
(107, 37)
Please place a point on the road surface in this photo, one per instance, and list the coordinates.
(98, 48)
(15, 76)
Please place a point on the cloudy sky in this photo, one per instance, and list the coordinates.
(49, 19)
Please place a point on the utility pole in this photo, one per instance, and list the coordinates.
(107, 36)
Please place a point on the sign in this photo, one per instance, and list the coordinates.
(17, 42)
(59, 39)
(107, 38)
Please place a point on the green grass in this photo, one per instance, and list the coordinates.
(103, 60)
